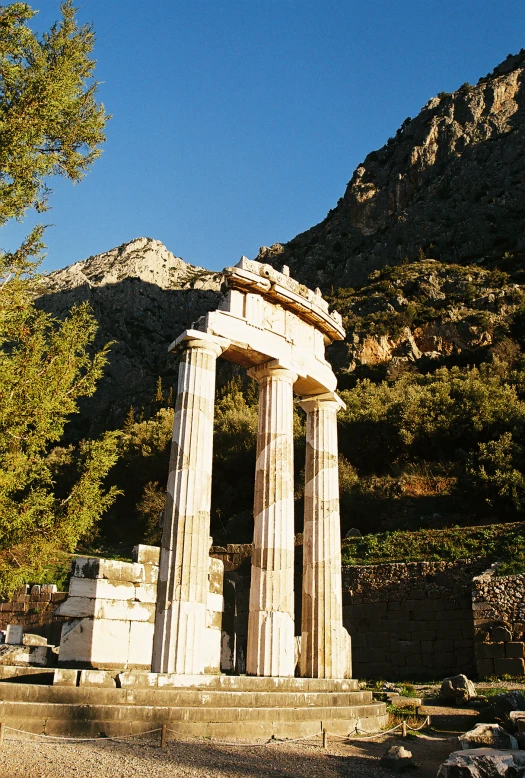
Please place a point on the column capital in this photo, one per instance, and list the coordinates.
(325, 401)
(202, 340)
(275, 368)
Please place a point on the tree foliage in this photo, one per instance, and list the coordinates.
(50, 121)
(50, 124)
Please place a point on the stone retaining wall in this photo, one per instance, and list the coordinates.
(33, 608)
(411, 620)
(407, 620)
(498, 604)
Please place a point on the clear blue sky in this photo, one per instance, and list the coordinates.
(238, 123)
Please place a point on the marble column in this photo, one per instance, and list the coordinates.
(324, 641)
(270, 650)
(180, 624)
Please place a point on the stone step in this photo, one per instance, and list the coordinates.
(147, 713)
(179, 697)
(238, 723)
(140, 678)
(230, 731)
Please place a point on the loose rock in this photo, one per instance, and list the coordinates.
(490, 735)
(398, 758)
(482, 763)
(457, 689)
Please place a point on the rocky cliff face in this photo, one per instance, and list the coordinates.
(143, 297)
(449, 185)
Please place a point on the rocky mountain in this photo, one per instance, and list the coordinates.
(143, 297)
(412, 255)
(449, 185)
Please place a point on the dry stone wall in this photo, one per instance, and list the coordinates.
(406, 620)
(33, 608)
(498, 604)
(410, 620)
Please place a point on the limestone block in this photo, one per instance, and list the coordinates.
(114, 610)
(101, 587)
(49, 588)
(215, 602)
(212, 662)
(97, 643)
(214, 620)
(509, 666)
(91, 567)
(140, 644)
(100, 678)
(515, 649)
(36, 591)
(64, 677)
(29, 639)
(485, 667)
(489, 650)
(146, 554)
(151, 573)
(146, 592)
(14, 634)
(216, 576)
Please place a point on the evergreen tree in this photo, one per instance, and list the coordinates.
(50, 124)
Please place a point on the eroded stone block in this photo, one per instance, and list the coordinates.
(89, 567)
(146, 554)
(14, 634)
(101, 587)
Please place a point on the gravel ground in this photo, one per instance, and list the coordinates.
(37, 758)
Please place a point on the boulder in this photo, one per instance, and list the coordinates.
(489, 735)
(482, 763)
(398, 759)
(502, 705)
(457, 689)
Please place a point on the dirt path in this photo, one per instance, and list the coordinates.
(200, 759)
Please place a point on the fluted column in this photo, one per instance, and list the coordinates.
(180, 624)
(324, 642)
(270, 650)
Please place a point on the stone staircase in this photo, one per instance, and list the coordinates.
(227, 708)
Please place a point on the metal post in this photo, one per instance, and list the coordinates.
(404, 728)
(325, 738)
(2, 725)
(163, 734)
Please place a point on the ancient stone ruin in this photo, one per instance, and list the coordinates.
(278, 329)
(151, 630)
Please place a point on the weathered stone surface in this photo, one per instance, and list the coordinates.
(457, 689)
(29, 639)
(96, 643)
(101, 588)
(114, 610)
(97, 678)
(271, 617)
(488, 735)
(141, 294)
(398, 759)
(324, 641)
(91, 567)
(482, 763)
(146, 554)
(502, 705)
(14, 634)
(65, 677)
(439, 181)
(179, 641)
